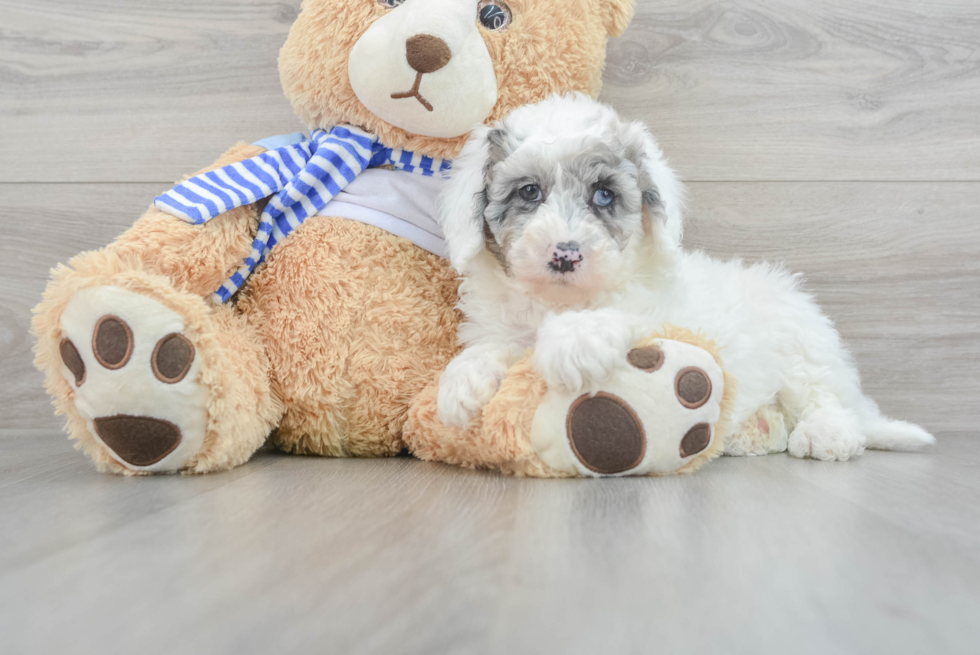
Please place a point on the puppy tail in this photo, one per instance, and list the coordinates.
(889, 434)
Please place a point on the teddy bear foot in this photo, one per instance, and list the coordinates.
(664, 408)
(657, 414)
(135, 378)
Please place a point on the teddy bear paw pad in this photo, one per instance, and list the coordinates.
(134, 375)
(605, 434)
(654, 415)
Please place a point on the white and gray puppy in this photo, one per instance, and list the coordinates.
(565, 222)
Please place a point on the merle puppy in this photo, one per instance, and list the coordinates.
(565, 222)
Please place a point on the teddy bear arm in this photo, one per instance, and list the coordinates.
(196, 258)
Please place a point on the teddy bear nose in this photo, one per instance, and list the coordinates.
(427, 53)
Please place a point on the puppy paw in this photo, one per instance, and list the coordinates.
(761, 434)
(827, 434)
(577, 350)
(468, 384)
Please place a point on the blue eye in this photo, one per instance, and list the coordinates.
(390, 4)
(603, 198)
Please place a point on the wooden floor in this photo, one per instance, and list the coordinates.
(302, 555)
(841, 137)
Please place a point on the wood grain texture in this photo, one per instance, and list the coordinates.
(896, 265)
(136, 90)
(805, 89)
(299, 555)
(43, 225)
(756, 90)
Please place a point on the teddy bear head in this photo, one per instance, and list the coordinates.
(421, 73)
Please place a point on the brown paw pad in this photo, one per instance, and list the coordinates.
(605, 434)
(693, 387)
(697, 439)
(112, 342)
(73, 360)
(648, 359)
(138, 440)
(172, 358)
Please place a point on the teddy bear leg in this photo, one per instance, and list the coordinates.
(664, 408)
(152, 379)
(150, 375)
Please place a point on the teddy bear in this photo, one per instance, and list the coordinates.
(295, 290)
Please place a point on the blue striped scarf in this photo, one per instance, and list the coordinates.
(301, 179)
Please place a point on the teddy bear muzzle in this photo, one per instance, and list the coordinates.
(424, 67)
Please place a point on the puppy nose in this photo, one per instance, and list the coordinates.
(565, 257)
(427, 53)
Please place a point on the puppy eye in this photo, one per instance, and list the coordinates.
(603, 198)
(531, 193)
(390, 4)
(494, 14)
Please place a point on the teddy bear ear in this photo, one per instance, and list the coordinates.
(617, 15)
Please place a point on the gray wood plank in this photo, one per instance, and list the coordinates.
(804, 89)
(45, 225)
(141, 90)
(896, 265)
(748, 558)
(39, 468)
(288, 554)
(136, 90)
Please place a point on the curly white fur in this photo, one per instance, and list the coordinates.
(774, 338)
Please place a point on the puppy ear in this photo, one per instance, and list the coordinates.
(617, 14)
(664, 197)
(465, 199)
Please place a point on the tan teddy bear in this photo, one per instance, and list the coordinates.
(270, 295)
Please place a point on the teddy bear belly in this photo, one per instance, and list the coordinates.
(355, 322)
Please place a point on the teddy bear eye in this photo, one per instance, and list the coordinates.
(390, 4)
(494, 15)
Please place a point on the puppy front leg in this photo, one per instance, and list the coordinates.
(577, 350)
(471, 380)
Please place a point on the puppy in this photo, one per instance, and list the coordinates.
(566, 221)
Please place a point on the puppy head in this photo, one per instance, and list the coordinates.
(421, 73)
(565, 197)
